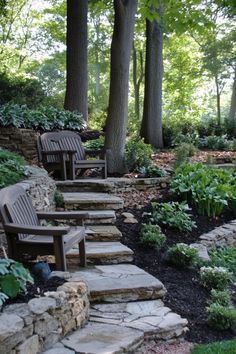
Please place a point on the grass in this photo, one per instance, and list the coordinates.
(226, 347)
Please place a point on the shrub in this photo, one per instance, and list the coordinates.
(13, 279)
(183, 152)
(95, 144)
(221, 297)
(152, 171)
(59, 199)
(215, 277)
(137, 154)
(152, 236)
(174, 215)
(221, 317)
(214, 142)
(43, 118)
(12, 168)
(182, 255)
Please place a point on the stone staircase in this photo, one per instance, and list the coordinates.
(126, 305)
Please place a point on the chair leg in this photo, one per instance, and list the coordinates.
(59, 252)
(104, 172)
(82, 253)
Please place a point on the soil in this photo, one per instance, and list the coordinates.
(185, 295)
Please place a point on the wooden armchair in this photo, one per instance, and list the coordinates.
(27, 239)
(64, 151)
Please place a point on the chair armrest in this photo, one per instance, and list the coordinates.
(36, 230)
(60, 215)
(100, 152)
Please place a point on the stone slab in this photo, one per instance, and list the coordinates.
(119, 283)
(152, 317)
(102, 253)
(100, 217)
(91, 200)
(103, 339)
(103, 233)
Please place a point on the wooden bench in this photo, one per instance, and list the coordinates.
(63, 151)
(27, 239)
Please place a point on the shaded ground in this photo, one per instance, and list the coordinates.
(185, 295)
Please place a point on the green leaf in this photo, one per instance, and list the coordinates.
(10, 285)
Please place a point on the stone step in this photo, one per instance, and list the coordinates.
(119, 283)
(101, 217)
(92, 201)
(103, 233)
(101, 253)
(86, 185)
(122, 327)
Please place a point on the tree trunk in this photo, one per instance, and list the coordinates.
(232, 111)
(76, 98)
(137, 80)
(116, 124)
(218, 101)
(151, 127)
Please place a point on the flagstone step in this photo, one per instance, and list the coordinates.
(122, 327)
(86, 185)
(119, 283)
(92, 201)
(103, 233)
(101, 253)
(101, 217)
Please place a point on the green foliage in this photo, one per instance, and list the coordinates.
(215, 277)
(174, 215)
(152, 236)
(137, 154)
(214, 142)
(221, 317)
(224, 257)
(209, 189)
(152, 171)
(13, 279)
(43, 118)
(59, 199)
(181, 255)
(224, 347)
(222, 297)
(12, 168)
(95, 144)
(183, 152)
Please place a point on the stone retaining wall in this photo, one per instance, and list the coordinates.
(36, 326)
(221, 236)
(20, 140)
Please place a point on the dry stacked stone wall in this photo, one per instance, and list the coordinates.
(36, 326)
(23, 141)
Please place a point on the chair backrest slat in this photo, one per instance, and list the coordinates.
(49, 142)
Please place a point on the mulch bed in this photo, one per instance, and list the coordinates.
(185, 295)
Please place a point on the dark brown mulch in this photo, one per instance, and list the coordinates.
(185, 295)
(37, 289)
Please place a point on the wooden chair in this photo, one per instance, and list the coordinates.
(27, 239)
(64, 151)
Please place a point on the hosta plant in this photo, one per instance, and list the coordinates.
(13, 279)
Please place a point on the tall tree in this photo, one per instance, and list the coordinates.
(151, 127)
(116, 124)
(232, 111)
(76, 98)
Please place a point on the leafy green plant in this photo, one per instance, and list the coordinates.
(214, 142)
(13, 279)
(174, 215)
(151, 171)
(221, 297)
(181, 255)
(221, 317)
(137, 154)
(95, 144)
(215, 277)
(12, 168)
(59, 199)
(42, 118)
(223, 347)
(224, 257)
(152, 236)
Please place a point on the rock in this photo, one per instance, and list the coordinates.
(21, 310)
(130, 221)
(9, 325)
(201, 250)
(41, 305)
(59, 351)
(127, 215)
(30, 346)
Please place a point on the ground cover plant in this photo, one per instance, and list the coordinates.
(224, 347)
(12, 168)
(152, 236)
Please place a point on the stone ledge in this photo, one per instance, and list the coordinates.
(37, 325)
(221, 236)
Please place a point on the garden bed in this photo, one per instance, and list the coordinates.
(185, 295)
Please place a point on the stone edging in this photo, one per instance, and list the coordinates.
(221, 236)
(37, 325)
